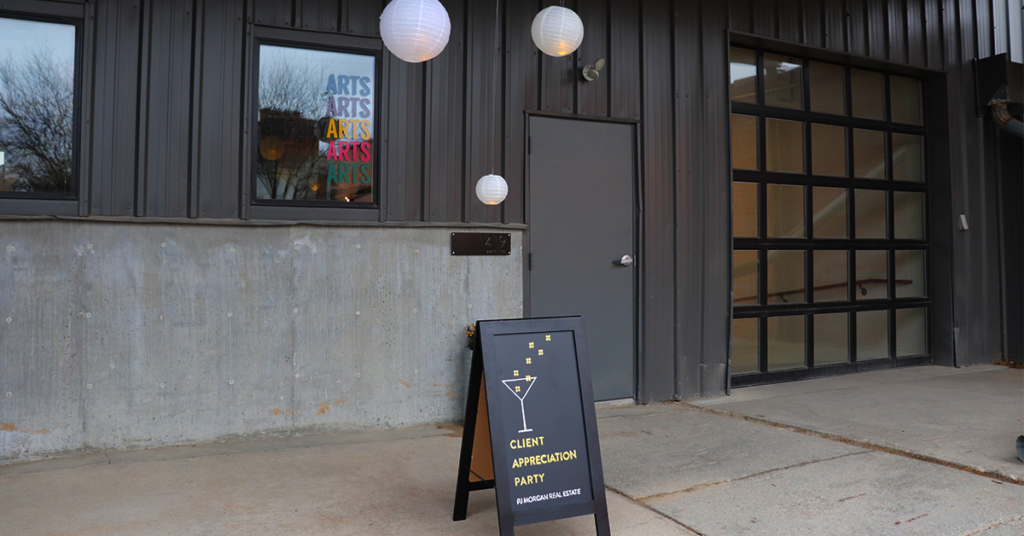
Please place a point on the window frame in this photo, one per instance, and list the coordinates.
(761, 244)
(306, 210)
(73, 202)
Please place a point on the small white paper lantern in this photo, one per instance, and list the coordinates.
(491, 189)
(557, 31)
(415, 30)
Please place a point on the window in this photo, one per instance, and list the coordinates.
(317, 115)
(37, 109)
(830, 235)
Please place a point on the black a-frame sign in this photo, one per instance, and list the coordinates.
(530, 428)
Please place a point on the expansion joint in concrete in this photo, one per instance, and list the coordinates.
(656, 511)
(863, 444)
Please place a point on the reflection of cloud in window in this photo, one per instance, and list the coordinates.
(741, 71)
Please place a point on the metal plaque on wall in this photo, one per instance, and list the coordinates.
(481, 244)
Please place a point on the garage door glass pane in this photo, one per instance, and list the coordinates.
(910, 280)
(905, 94)
(785, 211)
(872, 275)
(911, 332)
(867, 90)
(828, 150)
(831, 339)
(784, 142)
(783, 82)
(907, 157)
(786, 277)
(829, 212)
(872, 335)
(868, 154)
(831, 282)
(786, 348)
(744, 209)
(744, 141)
(869, 217)
(908, 215)
(743, 75)
(744, 345)
(828, 88)
(745, 277)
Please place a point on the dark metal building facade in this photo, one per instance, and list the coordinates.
(165, 133)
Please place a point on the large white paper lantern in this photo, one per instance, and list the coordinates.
(415, 30)
(557, 31)
(491, 189)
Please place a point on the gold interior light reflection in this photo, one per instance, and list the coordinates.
(272, 148)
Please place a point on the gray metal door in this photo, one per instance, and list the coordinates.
(582, 176)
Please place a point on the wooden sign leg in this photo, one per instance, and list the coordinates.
(476, 469)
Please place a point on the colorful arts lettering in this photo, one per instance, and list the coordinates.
(340, 172)
(344, 151)
(346, 129)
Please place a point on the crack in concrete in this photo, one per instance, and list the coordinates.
(994, 525)
(860, 443)
(656, 511)
(745, 477)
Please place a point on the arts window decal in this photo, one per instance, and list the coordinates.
(316, 126)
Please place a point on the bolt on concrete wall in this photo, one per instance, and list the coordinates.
(118, 336)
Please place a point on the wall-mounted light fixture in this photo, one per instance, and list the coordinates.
(415, 30)
(557, 31)
(590, 72)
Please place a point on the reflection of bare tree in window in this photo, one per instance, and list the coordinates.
(289, 155)
(36, 121)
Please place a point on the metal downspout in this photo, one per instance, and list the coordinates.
(1002, 117)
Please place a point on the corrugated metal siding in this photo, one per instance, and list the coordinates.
(173, 72)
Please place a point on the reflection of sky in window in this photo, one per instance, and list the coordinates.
(21, 37)
(321, 64)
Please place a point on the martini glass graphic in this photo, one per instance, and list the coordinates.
(513, 385)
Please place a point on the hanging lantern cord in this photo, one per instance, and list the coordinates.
(494, 80)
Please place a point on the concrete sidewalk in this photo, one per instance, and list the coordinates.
(888, 452)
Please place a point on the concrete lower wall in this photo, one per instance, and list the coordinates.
(119, 336)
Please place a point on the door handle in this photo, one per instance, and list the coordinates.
(626, 260)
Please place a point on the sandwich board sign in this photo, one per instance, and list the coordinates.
(530, 428)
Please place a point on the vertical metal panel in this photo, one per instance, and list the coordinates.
(856, 28)
(403, 141)
(483, 112)
(218, 124)
(791, 15)
(1000, 31)
(317, 15)
(933, 34)
(690, 192)
(717, 222)
(115, 106)
(814, 30)
(274, 12)
(741, 15)
(658, 324)
(983, 27)
(967, 30)
(164, 125)
(1015, 31)
(835, 15)
(362, 17)
(593, 96)
(765, 18)
(444, 142)
(878, 33)
(897, 31)
(624, 60)
(522, 66)
(916, 39)
(558, 77)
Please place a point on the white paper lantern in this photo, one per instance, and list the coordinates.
(557, 31)
(415, 30)
(491, 189)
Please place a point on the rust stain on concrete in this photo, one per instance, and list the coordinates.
(276, 412)
(405, 383)
(339, 401)
(454, 430)
(450, 394)
(8, 427)
(324, 408)
(43, 431)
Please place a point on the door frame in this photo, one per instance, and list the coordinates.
(638, 234)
